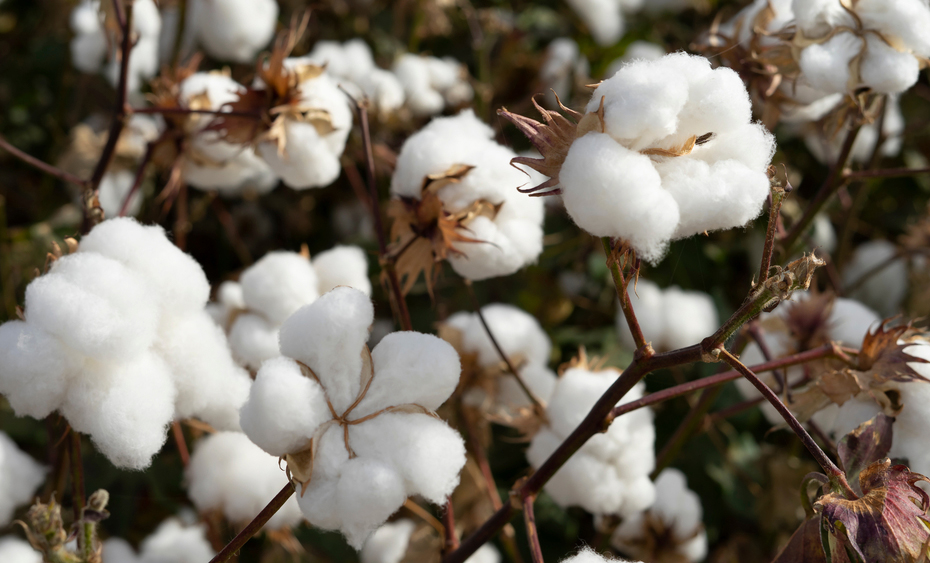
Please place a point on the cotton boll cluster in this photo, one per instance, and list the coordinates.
(272, 289)
(877, 44)
(670, 318)
(588, 555)
(15, 550)
(356, 428)
(674, 155)
(484, 201)
(388, 544)
(827, 149)
(306, 152)
(675, 517)
(353, 66)
(432, 84)
(116, 338)
(525, 344)
(171, 542)
(20, 476)
(604, 18)
(563, 70)
(89, 47)
(212, 163)
(230, 474)
(610, 473)
(884, 289)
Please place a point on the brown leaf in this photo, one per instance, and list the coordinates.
(868, 443)
(805, 545)
(881, 359)
(834, 387)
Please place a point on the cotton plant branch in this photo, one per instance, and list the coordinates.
(853, 175)
(616, 271)
(776, 198)
(255, 525)
(451, 542)
(41, 165)
(532, 534)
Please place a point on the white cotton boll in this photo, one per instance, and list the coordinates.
(670, 318)
(342, 265)
(278, 285)
(910, 427)
(389, 542)
(284, 408)
(411, 367)
(317, 502)
(118, 550)
(89, 45)
(176, 277)
(588, 555)
(887, 70)
(816, 17)
(516, 331)
(15, 550)
(368, 492)
(384, 89)
(306, 161)
(496, 254)
(227, 472)
(609, 190)
(34, 369)
(648, 302)
(602, 17)
(114, 187)
(328, 336)
(884, 290)
(210, 384)
(487, 553)
(230, 295)
(908, 20)
(252, 340)
(94, 305)
(558, 69)
(413, 74)
(125, 408)
(173, 542)
(826, 65)
(20, 476)
(236, 30)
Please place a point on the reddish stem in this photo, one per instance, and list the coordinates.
(255, 525)
(532, 534)
(40, 165)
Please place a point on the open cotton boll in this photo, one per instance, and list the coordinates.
(431, 84)
(15, 550)
(236, 30)
(229, 473)
(89, 44)
(114, 187)
(253, 340)
(278, 285)
(342, 265)
(588, 555)
(884, 289)
(678, 514)
(517, 332)
(20, 476)
(603, 18)
(143, 59)
(171, 542)
(610, 473)
(35, 369)
(670, 318)
(388, 544)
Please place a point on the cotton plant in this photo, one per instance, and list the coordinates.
(609, 474)
(171, 542)
(15, 550)
(671, 529)
(116, 338)
(490, 386)
(605, 18)
(455, 198)
(353, 66)
(230, 475)
(877, 275)
(357, 429)
(564, 69)
(271, 290)
(666, 150)
(20, 476)
(432, 84)
(670, 318)
(93, 48)
(391, 543)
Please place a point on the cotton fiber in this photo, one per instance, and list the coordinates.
(171, 542)
(352, 65)
(670, 318)
(886, 285)
(236, 30)
(367, 418)
(388, 544)
(431, 84)
(15, 550)
(563, 68)
(20, 476)
(588, 555)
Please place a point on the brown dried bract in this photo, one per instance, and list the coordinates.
(883, 359)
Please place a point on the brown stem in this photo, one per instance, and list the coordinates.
(120, 14)
(532, 534)
(179, 35)
(627, 307)
(758, 336)
(181, 222)
(77, 474)
(40, 165)
(255, 525)
(137, 181)
(538, 403)
(448, 522)
(425, 515)
(832, 471)
(884, 173)
(181, 443)
(776, 198)
(190, 111)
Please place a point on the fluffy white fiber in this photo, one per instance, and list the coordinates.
(20, 476)
(670, 318)
(636, 51)
(884, 289)
(236, 30)
(400, 451)
(611, 188)
(678, 508)
(513, 238)
(211, 163)
(230, 474)
(610, 473)
(827, 149)
(388, 544)
(353, 66)
(171, 542)
(563, 68)
(15, 550)
(432, 84)
(522, 340)
(604, 19)
(272, 289)
(117, 339)
(588, 555)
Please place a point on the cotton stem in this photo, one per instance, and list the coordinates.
(776, 198)
(40, 165)
(532, 534)
(255, 525)
(448, 522)
(620, 282)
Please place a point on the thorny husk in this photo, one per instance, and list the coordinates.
(46, 532)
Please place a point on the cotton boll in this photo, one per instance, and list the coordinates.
(690, 316)
(487, 553)
(278, 285)
(227, 472)
(602, 17)
(414, 76)
(253, 340)
(328, 336)
(125, 408)
(114, 187)
(306, 161)
(89, 45)
(910, 427)
(236, 30)
(118, 550)
(516, 331)
(342, 265)
(559, 68)
(609, 190)
(173, 542)
(367, 494)
(283, 408)
(20, 476)
(826, 65)
(35, 369)
(887, 70)
(588, 555)
(885, 289)
(648, 302)
(388, 544)
(318, 501)
(177, 278)
(15, 550)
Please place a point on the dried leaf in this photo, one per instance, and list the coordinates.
(834, 387)
(882, 359)
(868, 443)
(805, 545)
